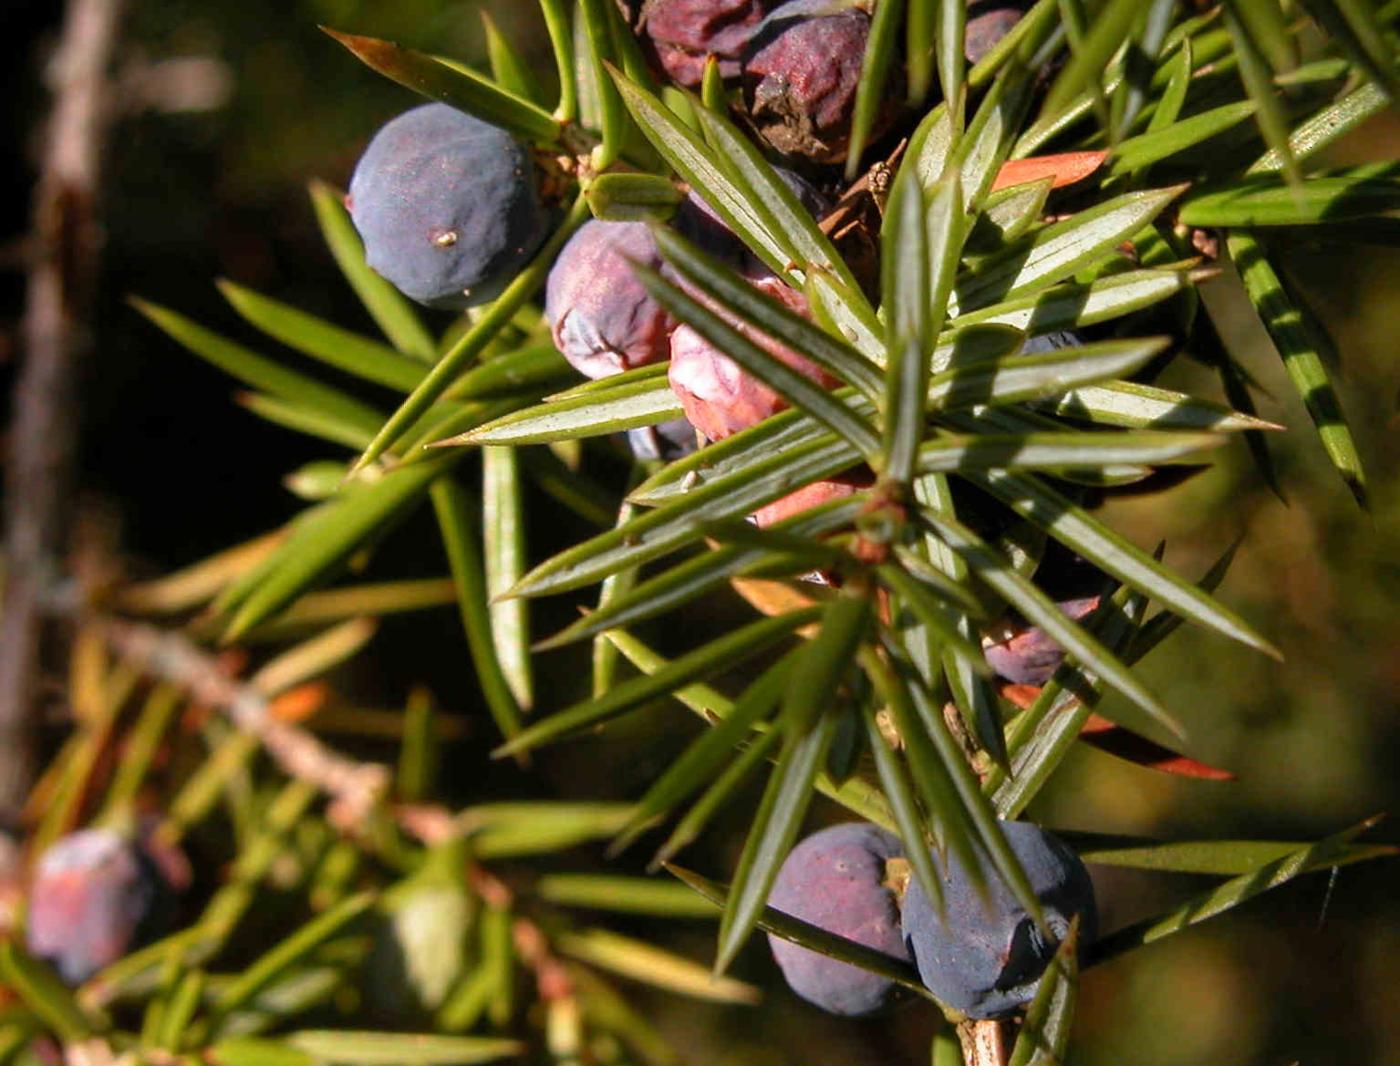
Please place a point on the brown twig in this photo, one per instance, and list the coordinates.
(353, 787)
(54, 331)
(983, 1043)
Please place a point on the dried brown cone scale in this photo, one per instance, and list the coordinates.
(718, 397)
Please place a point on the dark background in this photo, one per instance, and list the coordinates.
(182, 471)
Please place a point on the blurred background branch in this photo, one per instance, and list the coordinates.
(354, 786)
(55, 332)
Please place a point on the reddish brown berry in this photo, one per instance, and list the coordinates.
(814, 495)
(800, 73)
(602, 318)
(682, 33)
(717, 396)
(92, 894)
(837, 880)
(988, 21)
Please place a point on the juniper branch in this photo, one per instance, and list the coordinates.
(354, 787)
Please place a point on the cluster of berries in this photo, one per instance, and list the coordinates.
(605, 322)
(980, 954)
(450, 207)
(798, 62)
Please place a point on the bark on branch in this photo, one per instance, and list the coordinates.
(354, 787)
(54, 333)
